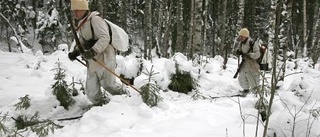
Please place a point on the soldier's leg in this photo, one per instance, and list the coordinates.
(243, 81)
(110, 84)
(254, 81)
(93, 89)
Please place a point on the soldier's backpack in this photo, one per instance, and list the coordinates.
(264, 58)
(118, 37)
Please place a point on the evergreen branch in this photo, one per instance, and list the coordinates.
(3, 128)
(24, 103)
(40, 127)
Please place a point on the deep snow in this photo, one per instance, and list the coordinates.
(178, 115)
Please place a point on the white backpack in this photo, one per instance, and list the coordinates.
(118, 37)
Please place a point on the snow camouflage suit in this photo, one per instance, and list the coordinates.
(98, 76)
(249, 75)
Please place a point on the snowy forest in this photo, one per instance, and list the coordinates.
(194, 38)
(196, 27)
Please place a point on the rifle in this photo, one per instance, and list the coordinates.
(239, 68)
(75, 35)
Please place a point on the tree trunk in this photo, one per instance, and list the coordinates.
(240, 15)
(179, 33)
(191, 30)
(239, 24)
(272, 20)
(166, 27)
(147, 30)
(123, 14)
(223, 37)
(8, 39)
(274, 80)
(15, 34)
(315, 45)
(304, 54)
(204, 28)
(196, 25)
(285, 33)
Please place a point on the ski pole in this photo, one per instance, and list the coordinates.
(111, 71)
(81, 62)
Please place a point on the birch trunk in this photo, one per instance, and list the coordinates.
(316, 36)
(304, 54)
(239, 24)
(223, 37)
(197, 23)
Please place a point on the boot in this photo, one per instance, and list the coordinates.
(244, 92)
(102, 101)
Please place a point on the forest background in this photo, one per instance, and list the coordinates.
(164, 27)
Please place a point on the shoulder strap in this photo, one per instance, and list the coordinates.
(251, 43)
(92, 30)
(110, 32)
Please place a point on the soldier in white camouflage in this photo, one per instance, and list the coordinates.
(94, 37)
(249, 74)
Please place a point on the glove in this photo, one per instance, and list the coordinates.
(238, 52)
(89, 54)
(73, 55)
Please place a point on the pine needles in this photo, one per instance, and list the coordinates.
(24, 103)
(182, 81)
(41, 128)
(150, 91)
(3, 128)
(60, 87)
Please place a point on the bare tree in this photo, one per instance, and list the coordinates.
(274, 80)
(285, 31)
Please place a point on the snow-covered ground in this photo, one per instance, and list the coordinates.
(178, 115)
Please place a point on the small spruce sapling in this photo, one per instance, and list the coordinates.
(182, 81)
(60, 87)
(150, 91)
(22, 122)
